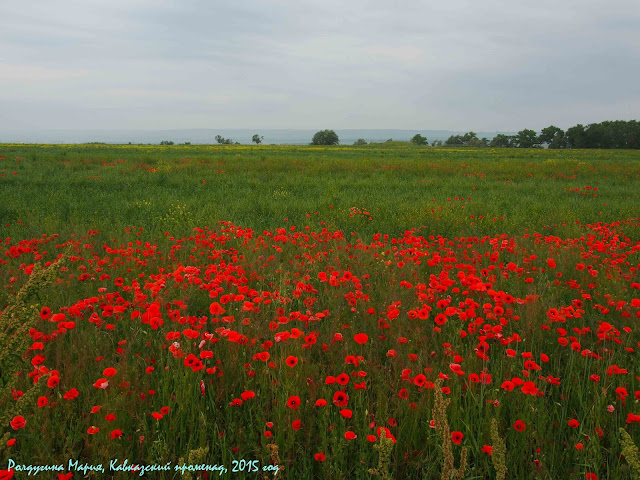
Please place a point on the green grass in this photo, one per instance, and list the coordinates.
(140, 232)
(64, 189)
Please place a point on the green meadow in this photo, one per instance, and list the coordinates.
(454, 192)
(375, 312)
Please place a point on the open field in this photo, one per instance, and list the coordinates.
(294, 306)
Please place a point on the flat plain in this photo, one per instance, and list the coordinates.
(384, 311)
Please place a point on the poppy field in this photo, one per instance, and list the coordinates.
(385, 311)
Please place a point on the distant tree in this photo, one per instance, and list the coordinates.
(325, 137)
(187, 143)
(389, 140)
(527, 139)
(608, 134)
(257, 139)
(166, 142)
(360, 141)
(419, 140)
(454, 140)
(479, 143)
(224, 141)
(468, 137)
(501, 141)
(576, 137)
(547, 134)
(436, 143)
(553, 136)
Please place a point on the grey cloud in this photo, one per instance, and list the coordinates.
(360, 64)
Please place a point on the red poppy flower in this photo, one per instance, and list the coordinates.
(11, 442)
(488, 449)
(6, 474)
(293, 402)
(117, 433)
(71, 394)
(109, 372)
(53, 381)
(296, 424)
(361, 338)
(101, 383)
(350, 435)
(420, 380)
(456, 437)
(216, 309)
(18, 422)
(291, 361)
(110, 417)
(42, 401)
(440, 319)
(321, 402)
(319, 457)
(633, 418)
(520, 426)
(45, 313)
(340, 399)
(346, 413)
(573, 423)
(247, 395)
(92, 430)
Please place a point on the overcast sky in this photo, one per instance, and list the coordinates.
(449, 64)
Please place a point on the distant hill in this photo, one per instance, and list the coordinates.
(207, 136)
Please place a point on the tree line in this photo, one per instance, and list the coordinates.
(608, 134)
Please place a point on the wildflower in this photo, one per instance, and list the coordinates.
(53, 381)
(361, 338)
(18, 422)
(101, 383)
(291, 361)
(520, 426)
(293, 402)
(246, 395)
(71, 394)
(456, 437)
